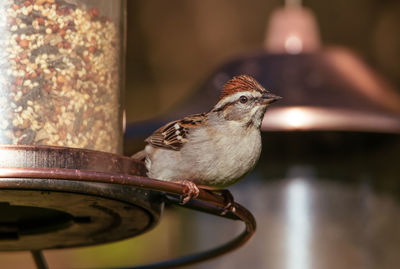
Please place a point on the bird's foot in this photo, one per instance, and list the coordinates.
(190, 191)
(229, 203)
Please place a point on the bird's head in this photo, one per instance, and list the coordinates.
(244, 100)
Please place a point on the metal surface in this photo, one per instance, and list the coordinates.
(27, 156)
(39, 259)
(38, 178)
(45, 213)
(71, 175)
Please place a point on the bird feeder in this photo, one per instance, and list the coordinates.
(63, 180)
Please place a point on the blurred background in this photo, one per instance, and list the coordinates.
(323, 198)
(174, 46)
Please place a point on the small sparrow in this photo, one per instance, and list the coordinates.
(213, 149)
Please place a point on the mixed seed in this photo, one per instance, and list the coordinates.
(59, 75)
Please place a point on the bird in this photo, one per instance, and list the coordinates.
(215, 149)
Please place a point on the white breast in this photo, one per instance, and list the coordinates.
(227, 157)
(208, 158)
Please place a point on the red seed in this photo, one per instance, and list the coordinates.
(47, 87)
(66, 45)
(67, 10)
(94, 12)
(40, 20)
(24, 43)
(18, 81)
(61, 32)
(54, 28)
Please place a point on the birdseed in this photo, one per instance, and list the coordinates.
(59, 75)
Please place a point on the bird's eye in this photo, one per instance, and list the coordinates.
(243, 99)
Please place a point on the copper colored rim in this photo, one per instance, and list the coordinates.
(207, 201)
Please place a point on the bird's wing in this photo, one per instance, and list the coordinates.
(173, 135)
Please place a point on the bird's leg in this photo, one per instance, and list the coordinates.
(190, 190)
(229, 203)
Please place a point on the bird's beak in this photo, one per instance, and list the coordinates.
(269, 98)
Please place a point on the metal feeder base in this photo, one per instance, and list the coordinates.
(35, 219)
(45, 213)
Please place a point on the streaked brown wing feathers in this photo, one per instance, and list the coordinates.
(173, 135)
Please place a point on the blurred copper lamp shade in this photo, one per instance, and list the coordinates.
(327, 90)
(323, 89)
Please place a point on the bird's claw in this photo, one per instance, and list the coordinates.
(190, 191)
(229, 207)
(229, 203)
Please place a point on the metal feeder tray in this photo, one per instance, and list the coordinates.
(58, 197)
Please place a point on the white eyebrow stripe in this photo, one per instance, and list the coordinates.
(231, 99)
